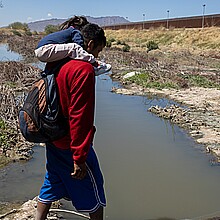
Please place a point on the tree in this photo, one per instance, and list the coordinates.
(19, 26)
(50, 29)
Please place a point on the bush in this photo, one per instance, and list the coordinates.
(152, 45)
(35, 33)
(19, 26)
(15, 32)
(145, 80)
(118, 42)
(111, 39)
(108, 43)
(28, 33)
(126, 48)
(51, 28)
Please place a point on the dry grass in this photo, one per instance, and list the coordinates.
(193, 39)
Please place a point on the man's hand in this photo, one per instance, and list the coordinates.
(79, 171)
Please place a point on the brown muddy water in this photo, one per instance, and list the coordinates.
(152, 169)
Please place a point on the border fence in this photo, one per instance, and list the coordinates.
(184, 22)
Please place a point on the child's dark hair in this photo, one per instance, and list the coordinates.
(95, 33)
(77, 22)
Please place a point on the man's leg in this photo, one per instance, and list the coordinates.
(42, 211)
(97, 215)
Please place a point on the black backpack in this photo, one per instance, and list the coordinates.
(40, 118)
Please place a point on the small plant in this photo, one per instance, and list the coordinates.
(50, 29)
(201, 81)
(111, 39)
(126, 48)
(108, 43)
(152, 45)
(3, 136)
(19, 26)
(28, 33)
(15, 32)
(2, 125)
(35, 33)
(144, 79)
(118, 42)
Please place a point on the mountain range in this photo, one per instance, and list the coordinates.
(39, 26)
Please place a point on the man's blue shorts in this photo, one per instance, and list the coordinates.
(87, 195)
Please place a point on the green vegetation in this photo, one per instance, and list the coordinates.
(50, 29)
(2, 125)
(3, 135)
(126, 48)
(4, 161)
(152, 45)
(201, 81)
(207, 38)
(19, 26)
(119, 42)
(108, 43)
(111, 39)
(15, 32)
(145, 80)
(28, 33)
(35, 33)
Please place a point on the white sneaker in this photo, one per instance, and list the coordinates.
(102, 68)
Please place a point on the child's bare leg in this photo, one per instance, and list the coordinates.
(42, 211)
(97, 215)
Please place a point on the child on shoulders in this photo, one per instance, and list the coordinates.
(68, 42)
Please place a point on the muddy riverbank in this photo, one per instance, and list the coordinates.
(16, 78)
(197, 102)
(197, 111)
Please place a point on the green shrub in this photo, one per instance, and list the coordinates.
(19, 26)
(201, 81)
(144, 79)
(140, 79)
(112, 39)
(126, 48)
(152, 45)
(15, 32)
(108, 43)
(28, 33)
(34, 33)
(2, 124)
(118, 42)
(51, 28)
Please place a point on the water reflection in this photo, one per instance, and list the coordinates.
(7, 55)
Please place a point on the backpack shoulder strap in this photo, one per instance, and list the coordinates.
(55, 67)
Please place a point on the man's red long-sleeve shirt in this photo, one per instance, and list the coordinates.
(76, 84)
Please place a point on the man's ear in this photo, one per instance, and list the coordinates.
(90, 45)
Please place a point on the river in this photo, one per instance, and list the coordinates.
(152, 168)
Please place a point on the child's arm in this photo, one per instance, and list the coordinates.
(54, 52)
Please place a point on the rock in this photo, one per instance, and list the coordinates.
(27, 212)
(130, 74)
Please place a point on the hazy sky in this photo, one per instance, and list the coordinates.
(33, 10)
